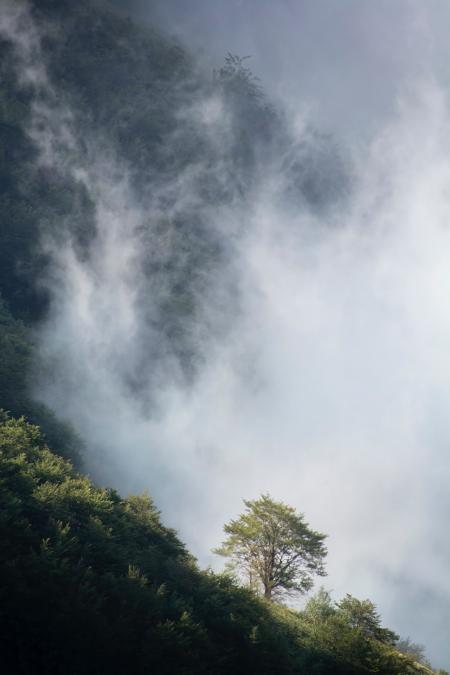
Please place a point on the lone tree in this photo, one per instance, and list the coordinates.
(273, 547)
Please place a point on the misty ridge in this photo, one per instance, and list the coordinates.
(208, 297)
(142, 275)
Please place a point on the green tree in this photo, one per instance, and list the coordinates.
(362, 615)
(319, 607)
(275, 549)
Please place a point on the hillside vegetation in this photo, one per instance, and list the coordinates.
(94, 582)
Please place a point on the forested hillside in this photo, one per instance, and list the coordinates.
(92, 581)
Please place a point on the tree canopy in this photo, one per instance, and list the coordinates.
(362, 615)
(275, 549)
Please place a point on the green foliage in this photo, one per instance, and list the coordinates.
(92, 582)
(352, 629)
(274, 548)
(363, 616)
(319, 607)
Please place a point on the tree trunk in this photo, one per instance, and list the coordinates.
(268, 592)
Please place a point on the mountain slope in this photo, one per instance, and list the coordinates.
(93, 581)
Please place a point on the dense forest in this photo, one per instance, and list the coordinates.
(91, 580)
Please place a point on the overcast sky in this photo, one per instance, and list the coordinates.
(346, 59)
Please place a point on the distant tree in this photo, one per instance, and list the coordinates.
(406, 646)
(235, 75)
(273, 547)
(319, 607)
(363, 615)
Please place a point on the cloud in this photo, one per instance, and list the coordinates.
(346, 61)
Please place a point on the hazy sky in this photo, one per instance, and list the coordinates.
(347, 60)
(332, 390)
